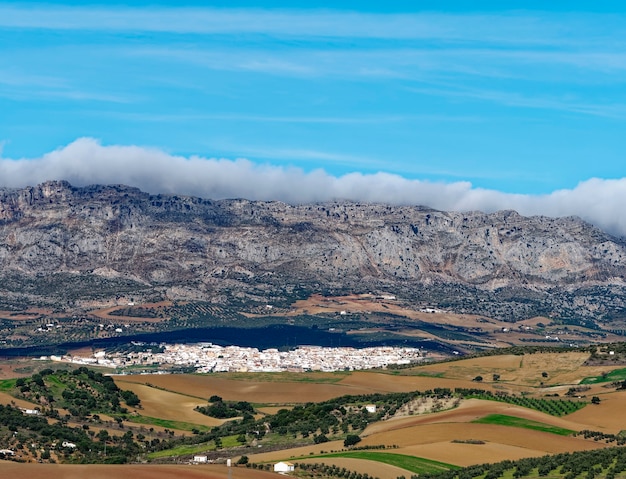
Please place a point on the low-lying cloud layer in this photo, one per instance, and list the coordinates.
(86, 161)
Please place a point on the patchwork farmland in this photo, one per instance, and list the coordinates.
(456, 414)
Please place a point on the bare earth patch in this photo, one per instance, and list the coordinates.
(469, 454)
(527, 370)
(251, 391)
(373, 468)
(168, 405)
(8, 399)
(607, 416)
(96, 471)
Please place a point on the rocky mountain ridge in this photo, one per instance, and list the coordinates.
(191, 248)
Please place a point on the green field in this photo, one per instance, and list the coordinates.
(409, 463)
(184, 450)
(189, 449)
(615, 375)
(179, 425)
(7, 384)
(512, 421)
(415, 372)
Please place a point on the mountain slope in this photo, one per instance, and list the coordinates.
(117, 239)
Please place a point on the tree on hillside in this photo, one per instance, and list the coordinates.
(351, 440)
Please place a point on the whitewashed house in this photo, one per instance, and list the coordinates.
(284, 467)
(371, 408)
(200, 459)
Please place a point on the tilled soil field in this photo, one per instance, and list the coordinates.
(96, 471)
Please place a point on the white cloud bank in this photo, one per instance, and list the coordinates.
(86, 161)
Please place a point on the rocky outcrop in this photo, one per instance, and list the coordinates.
(186, 242)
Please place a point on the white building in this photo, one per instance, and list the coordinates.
(371, 408)
(200, 459)
(283, 467)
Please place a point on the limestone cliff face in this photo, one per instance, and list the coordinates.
(199, 243)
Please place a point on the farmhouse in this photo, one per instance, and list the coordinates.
(283, 467)
(200, 459)
(371, 408)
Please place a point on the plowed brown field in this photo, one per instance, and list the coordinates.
(607, 416)
(94, 471)
(373, 468)
(372, 382)
(169, 405)
(470, 410)
(564, 368)
(7, 399)
(430, 435)
(274, 392)
(285, 392)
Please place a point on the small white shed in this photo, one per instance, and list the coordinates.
(283, 467)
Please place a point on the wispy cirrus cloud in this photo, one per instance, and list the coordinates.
(245, 118)
(436, 95)
(563, 103)
(504, 28)
(19, 85)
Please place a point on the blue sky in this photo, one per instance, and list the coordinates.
(524, 104)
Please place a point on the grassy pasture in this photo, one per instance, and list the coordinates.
(410, 463)
(512, 421)
(7, 384)
(615, 375)
(186, 450)
(167, 423)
